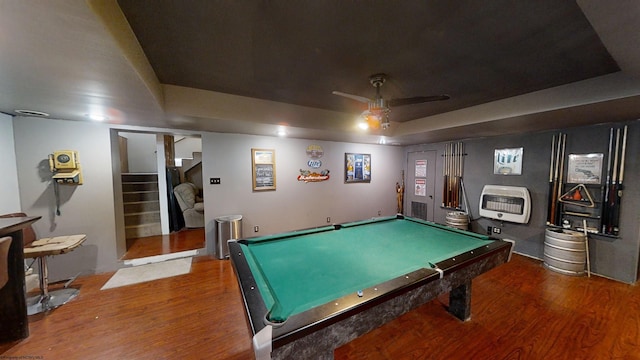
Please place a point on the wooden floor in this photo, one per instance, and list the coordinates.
(519, 311)
(183, 240)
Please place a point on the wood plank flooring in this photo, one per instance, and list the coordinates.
(183, 240)
(519, 311)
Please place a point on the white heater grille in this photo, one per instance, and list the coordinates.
(506, 203)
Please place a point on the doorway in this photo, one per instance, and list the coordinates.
(421, 168)
(152, 166)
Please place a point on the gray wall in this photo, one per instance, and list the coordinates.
(9, 191)
(141, 150)
(186, 146)
(85, 209)
(615, 258)
(90, 208)
(295, 204)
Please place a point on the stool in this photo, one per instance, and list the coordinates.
(40, 249)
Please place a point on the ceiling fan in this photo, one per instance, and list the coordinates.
(377, 115)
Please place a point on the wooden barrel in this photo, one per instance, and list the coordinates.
(565, 251)
(458, 220)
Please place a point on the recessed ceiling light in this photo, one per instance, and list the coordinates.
(96, 117)
(32, 113)
(282, 131)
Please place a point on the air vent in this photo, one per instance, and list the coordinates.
(32, 113)
(419, 210)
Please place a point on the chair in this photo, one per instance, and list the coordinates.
(5, 243)
(39, 249)
(192, 210)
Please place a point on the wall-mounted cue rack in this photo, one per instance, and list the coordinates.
(573, 204)
(453, 193)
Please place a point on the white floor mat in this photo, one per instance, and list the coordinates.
(149, 272)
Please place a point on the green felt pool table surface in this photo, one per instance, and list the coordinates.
(299, 270)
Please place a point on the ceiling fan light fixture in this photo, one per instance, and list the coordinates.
(379, 107)
(376, 118)
(373, 123)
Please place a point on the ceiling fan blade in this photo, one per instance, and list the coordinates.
(417, 100)
(353, 97)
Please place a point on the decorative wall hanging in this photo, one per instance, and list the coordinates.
(584, 169)
(314, 153)
(312, 176)
(400, 194)
(357, 168)
(263, 163)
(508, 162)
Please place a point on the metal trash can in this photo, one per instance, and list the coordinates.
(227, 227)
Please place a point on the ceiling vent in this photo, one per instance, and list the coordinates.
(32, 113)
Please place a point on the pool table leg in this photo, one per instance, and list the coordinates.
(460, 301)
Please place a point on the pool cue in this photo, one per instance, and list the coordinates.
(449, 172)
(454, 193)
(615, 217)
(452, 163)
(551, 205)
(604, 213)
(575, 213)
(613, 186)
(459, 179)
(465, 198)
(456, 180)
(444, 177)
(450, 177)
(449, 149)
(556, 216)
(586, 246)
(555, 180)
(402, 195)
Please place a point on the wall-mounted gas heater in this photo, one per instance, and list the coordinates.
(506, 203)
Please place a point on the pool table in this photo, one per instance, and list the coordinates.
(310, 291)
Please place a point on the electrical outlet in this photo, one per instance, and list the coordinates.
(379, 212)
(214, 181)
(497, 230)
(489, 230)
(328, 219)
(256, 228)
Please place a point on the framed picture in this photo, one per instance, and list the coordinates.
(507, 162)
(263, 166)
(584, 169)
(357, 168)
